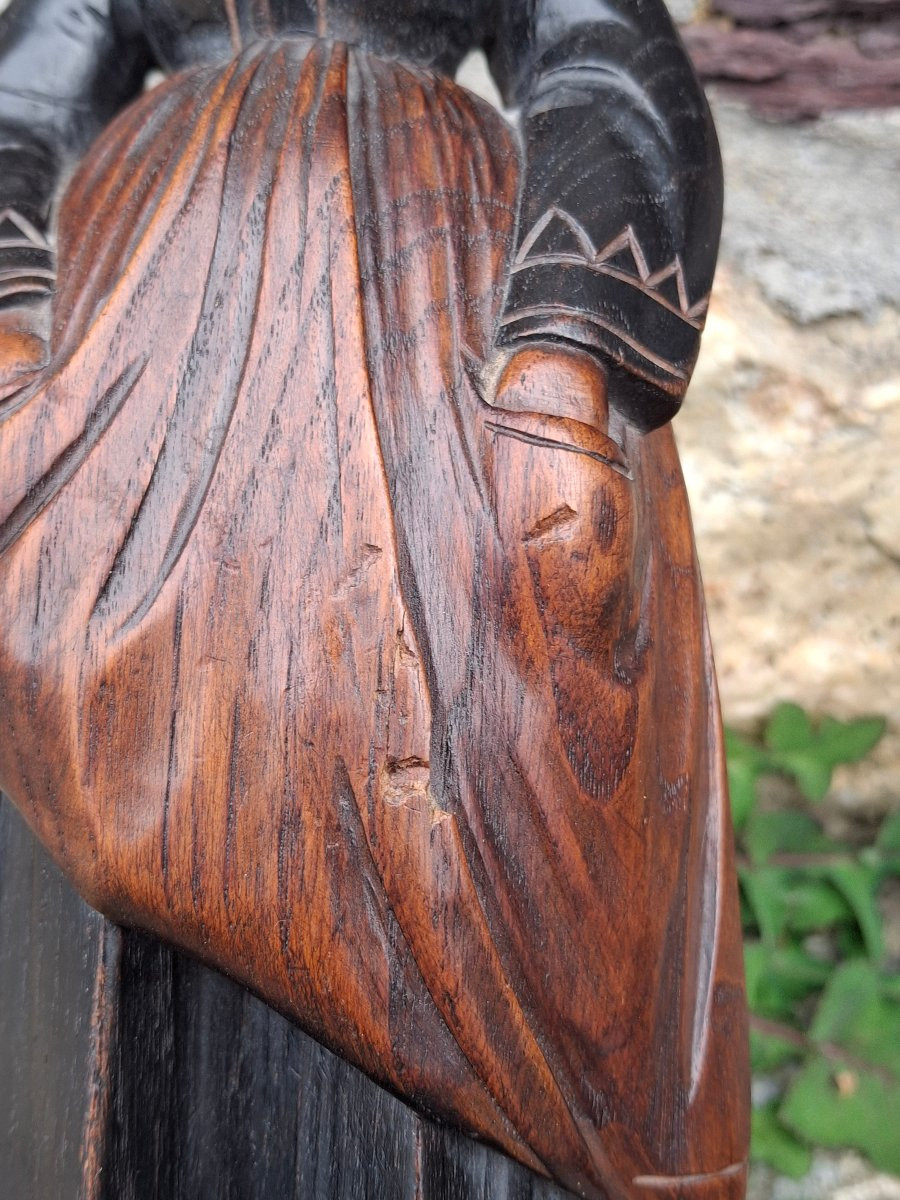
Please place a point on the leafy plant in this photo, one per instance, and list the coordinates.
(825, 1011)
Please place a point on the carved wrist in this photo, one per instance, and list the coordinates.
(638, 319)
(26, 260)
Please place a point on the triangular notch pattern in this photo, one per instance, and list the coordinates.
(558, 236)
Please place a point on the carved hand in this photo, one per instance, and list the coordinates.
(558, 381)
(22, 344)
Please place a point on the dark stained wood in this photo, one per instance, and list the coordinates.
(51, 949)
(205, 1090)
(354, 643)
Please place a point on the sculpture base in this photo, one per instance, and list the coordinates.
(132, 1072)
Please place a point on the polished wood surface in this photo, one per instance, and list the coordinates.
(357, 657)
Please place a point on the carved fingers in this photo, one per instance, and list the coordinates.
(554, 380)
(22, 346)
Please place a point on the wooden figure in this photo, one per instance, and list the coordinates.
(353, 639)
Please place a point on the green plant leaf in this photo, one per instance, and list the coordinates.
(780, 977)
(739, 748)
(853, 1102)
(784, 831)
(858, 884)
(810, 754)
(742, 779)
(811, 774)
(888, 839)
(788, 728)
(849, 741)
(799, 971)
(855, 1014)
(755, 958)
(850, 945)
(748, 916)
(796, 882)
(765, 891)
(768, 1052)
(832, 1105)
(776, 1146)
(814, 904)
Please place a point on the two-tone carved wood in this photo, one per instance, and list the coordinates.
(353, 638)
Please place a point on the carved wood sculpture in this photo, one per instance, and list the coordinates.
(352, 637)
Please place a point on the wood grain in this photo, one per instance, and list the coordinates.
(356, 660)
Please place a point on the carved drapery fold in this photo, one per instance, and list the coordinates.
(345, 679)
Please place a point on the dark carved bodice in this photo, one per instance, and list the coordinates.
(180, 32)
(621, 206)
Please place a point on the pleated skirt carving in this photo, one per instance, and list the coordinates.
(299, 674)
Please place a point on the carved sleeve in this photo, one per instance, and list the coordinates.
(66, 67)
(622, 204)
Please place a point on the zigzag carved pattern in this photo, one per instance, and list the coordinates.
(18, 279)
(644, 279)
(29, 236)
